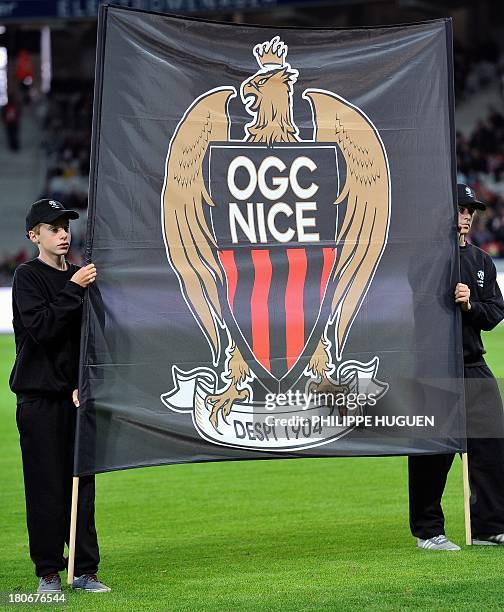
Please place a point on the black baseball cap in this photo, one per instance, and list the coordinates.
(467, 197)
(47, 211)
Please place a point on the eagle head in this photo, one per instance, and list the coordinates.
(267, 96)
(270, 86)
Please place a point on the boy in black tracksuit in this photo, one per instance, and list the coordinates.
(47, 300)
(482, 308)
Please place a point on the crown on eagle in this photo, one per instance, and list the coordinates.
(271, 54)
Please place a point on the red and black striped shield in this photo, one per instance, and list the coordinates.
(274, 222)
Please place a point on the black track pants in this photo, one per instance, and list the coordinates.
(485, 446)
(46, 428)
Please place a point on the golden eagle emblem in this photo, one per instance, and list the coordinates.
(208, 280)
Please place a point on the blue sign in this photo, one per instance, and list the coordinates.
(17, 10)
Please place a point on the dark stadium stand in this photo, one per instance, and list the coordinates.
(480, 161)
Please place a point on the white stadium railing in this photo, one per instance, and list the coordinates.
(5, 310)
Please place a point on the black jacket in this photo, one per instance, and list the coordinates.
(477, 271)
(47, 308)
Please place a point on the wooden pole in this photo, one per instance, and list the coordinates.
(73, 530)
(467, 499)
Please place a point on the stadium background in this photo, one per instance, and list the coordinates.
(306, 534)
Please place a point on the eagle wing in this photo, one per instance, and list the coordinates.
(190, 245)
(363, 231)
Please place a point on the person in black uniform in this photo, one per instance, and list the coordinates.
(482, 306)
(47, 297)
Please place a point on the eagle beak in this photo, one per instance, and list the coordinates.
(249, 94)
(249, 88)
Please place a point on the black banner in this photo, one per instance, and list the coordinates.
(272, 219)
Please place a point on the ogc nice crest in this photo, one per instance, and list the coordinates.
(274, 255)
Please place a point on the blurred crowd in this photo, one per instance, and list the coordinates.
(475, 68)
(480, 162)
(67, 145)
(66, 115)
(9, 262)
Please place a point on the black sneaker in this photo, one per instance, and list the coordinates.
(49, 584)
(90, 583)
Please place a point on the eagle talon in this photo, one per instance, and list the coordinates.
(329, 387)
(223, 403)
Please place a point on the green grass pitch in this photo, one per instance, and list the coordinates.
(280, 535)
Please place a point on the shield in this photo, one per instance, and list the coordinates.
(265, 197)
